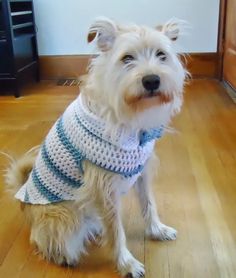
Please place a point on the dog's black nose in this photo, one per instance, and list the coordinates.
(151, 82)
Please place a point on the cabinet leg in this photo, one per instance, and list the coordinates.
(16, 89)
(37, 72)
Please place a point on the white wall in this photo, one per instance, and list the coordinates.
(63, 24)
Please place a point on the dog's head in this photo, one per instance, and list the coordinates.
(137, 74)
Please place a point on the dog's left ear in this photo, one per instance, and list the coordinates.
(172, 28)
(105, 30)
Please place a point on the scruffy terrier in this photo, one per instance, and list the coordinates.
(70, 189)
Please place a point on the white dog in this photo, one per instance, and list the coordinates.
(102, 146)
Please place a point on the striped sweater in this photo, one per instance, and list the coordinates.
(77, 136)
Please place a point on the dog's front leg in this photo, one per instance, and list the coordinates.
(154, 228)
(101, 192)
(126, 263)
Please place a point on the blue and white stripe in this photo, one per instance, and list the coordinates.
(58, 171)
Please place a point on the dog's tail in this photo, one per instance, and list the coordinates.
(19, 169)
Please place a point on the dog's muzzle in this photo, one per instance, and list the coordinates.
(151, 83)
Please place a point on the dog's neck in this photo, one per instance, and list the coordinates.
(117, 134)
(102, 119)
(105, 114)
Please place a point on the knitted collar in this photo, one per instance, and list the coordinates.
(120, 136)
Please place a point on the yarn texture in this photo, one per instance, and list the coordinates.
(80, 135)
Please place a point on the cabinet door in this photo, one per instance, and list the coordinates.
(5, 59)
(229, 62)
(23, 51)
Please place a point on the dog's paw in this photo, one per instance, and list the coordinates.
(130, 275)
(159, 231)
(129, 267)
(65, 261)
(71, 264)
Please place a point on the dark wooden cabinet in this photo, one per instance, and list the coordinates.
(18, 43)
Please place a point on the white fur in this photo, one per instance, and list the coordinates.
(114, 91)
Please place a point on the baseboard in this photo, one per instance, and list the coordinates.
(200, 65)
(203, 65)
(231, 92)
(63, 66)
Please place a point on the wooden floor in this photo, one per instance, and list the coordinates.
(195, 191)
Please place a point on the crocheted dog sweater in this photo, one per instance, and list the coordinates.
(80, 135)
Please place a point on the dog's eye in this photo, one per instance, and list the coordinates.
(161, 55)
(127, 59)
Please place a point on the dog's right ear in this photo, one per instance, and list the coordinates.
(173, 28)
(105, 30)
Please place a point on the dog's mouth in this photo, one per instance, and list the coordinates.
(147, 100)
(151, 94)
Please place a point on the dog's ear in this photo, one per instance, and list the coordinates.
(105, 30)
(172, 28)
